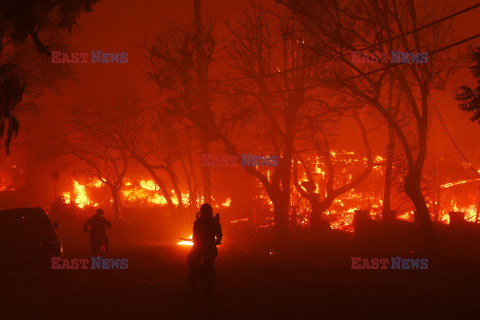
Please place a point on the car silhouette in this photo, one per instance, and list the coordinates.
(27, 239)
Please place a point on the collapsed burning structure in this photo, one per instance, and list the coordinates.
(443, 194)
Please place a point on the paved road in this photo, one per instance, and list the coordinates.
(252, 283)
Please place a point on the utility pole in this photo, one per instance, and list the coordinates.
(55, 177)
(202, 71)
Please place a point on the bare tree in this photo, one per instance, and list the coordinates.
(179, 60)
(158, 141)
(94, 150)
(107, 164)
(308, 189)
(275, 105)
(339, 27)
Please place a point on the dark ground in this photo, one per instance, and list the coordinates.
(255, 282)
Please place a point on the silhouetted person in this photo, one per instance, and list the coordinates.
(98, 225)
(207, 234)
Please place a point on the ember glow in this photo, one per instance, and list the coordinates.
(9, 177)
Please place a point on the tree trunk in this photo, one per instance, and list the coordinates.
(281, 207)
(318, 208)
(192, 196)
(205, 171)
(422, 215)
(116, 202)
(178, 193)
(390, 153)
(166, 194)
(388, 173)
(164, 191)
(413, 180)
(160, 184)
(282, 204)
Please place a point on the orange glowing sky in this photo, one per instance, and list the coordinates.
(119, 25)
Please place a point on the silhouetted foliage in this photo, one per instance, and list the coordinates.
(19, 20)
(470, 98)
(12, 86)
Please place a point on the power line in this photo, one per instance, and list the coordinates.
(274, 74)
(348, 78)
(140, 80)
(143, 79)
(92, 114)
(289, 90)
(445, 128)
(243, 26)
(79, 130)
(307, 87)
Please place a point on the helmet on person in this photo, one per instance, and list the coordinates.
(206, 211)
(99, 212)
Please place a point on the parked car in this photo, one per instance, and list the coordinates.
(28, 239)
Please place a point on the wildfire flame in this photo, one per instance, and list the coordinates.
(340, 214)
(185, 242)
(227, 203)
(141, 195)
(80, 195)
(149, 185)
